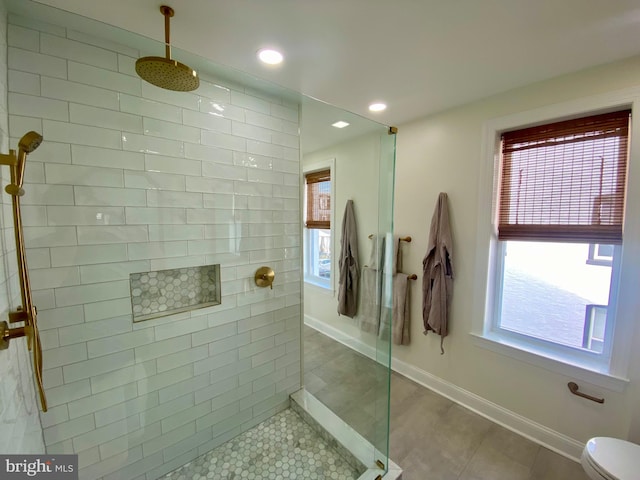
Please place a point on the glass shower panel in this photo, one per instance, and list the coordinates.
(384, 338)
(347, 357)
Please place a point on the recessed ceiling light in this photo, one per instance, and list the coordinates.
(270, 56)
(340, 124)
(377, 107)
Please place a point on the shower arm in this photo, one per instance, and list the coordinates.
(27, 313)
(168, 13)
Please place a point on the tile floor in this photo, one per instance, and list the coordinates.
(431, 437)
(282, 447)
(351, 385)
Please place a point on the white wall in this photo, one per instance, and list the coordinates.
(443, 153)
(356, 178)
(19, 421)
(132, 178)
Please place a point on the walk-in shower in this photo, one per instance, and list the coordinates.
(141, 201)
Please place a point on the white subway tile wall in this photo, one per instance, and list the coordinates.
(21, 431)
(131, 178)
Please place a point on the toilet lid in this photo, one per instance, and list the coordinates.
(617, 458)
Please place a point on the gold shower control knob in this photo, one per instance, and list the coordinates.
(7, 334)
(265, 276)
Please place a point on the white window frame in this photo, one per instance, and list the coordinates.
(611, 373)
(594, 259)
(580, 356)
(325, 284)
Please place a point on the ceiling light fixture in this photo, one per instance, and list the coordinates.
(340, 124)
(270, 56)
(377, 107)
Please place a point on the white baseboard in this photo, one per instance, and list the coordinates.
(535, 432)
(338, 335)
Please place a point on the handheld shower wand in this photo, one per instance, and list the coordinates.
(27, 144)
(26, 313)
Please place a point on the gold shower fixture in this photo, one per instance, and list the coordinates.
(27, 312)
(164, 72)
(264, 277)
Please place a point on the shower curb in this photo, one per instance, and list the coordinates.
(360, 454)
(343, 451)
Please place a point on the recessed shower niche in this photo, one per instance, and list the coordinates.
(165, 292)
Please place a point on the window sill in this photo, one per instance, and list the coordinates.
(318, 287)
(549, 362)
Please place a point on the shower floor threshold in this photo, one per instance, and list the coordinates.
(282, 447)
(351, 445)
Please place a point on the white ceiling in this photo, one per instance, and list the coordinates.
(418, 56)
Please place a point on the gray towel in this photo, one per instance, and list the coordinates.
(401, 309)
(376, 257)
(386, 287)
(385, 323)
(348, 264)
(371, 287)
(369, 307)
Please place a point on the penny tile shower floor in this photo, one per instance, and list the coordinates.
(282, 447)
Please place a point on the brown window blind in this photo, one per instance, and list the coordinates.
(565, 181)
(318, 199)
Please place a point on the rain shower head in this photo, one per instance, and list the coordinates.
(164, 72)
(30, 141)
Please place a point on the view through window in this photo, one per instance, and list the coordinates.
(551, 291)
(320, 253)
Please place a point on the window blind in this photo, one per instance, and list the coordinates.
(318, 199)
(565, 181)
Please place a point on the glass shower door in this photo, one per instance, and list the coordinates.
(384, 337)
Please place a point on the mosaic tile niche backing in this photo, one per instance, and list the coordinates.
(165, 292)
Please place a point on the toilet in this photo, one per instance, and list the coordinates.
(605, 458)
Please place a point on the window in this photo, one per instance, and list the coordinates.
(317, 241)
(549, 293)
(560, 212)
